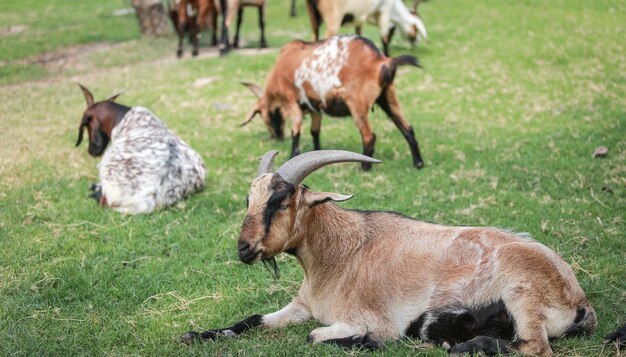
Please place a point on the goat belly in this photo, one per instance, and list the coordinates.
(336, 107)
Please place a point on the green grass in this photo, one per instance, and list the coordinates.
(513, 99)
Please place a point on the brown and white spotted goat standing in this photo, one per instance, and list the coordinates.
(342, 76)
(381, 275)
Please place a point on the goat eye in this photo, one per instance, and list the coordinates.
(283, 207)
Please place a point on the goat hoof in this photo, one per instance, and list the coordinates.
(372, 343)
(189, 337)
(223, 49)
(419, 165)
(618, 338)
(179, 53)
(366, 166)
(263, 44)
(194, 53)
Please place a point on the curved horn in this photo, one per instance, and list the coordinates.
(421, 27)
(258, 91)
(299, 167)
(250, 116)
(267, 163)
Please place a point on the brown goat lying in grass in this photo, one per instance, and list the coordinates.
(341, 76)
(372, 275)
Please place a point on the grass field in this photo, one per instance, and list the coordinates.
(513, 99)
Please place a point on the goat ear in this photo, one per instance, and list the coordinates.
(84, 123)
(113, 98)
(81, 128)
(87, 94)
(315, 198)
(258, 91)
(251, 116)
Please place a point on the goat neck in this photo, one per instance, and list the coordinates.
(329, 236)
(110, 114)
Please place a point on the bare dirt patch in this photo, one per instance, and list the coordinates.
(12, 30)
(212, 52)
(69, 58)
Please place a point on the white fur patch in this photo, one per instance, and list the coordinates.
(146, 166)
(321, 69)
(229, 333)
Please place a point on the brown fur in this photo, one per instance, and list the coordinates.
(99, 119)
(206, 13)
(375, 272)
(361, 87)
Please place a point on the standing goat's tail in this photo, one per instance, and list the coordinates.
(388, 71)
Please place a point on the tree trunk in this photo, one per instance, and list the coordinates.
(152, 17)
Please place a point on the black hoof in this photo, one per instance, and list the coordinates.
(263, 44)
(618, 338)
(418, 165)
(481, 344)
(96, 192)
(194, 52)
(372, 343)
(366, 166)
(179, 53)
(189, 337)
(368, 342)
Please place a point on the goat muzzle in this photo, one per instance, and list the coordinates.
(247, 254)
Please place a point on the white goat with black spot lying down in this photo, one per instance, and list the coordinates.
(147, 166)
(381, 275)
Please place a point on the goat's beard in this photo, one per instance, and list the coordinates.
(270, 265)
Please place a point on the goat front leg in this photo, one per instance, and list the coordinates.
(488, 345)
(618, 338)
(239, 20)
(292, 9)
(180, 31)
(295, 113)
(316, 126)
(96, 193)
(385, 34)
(333, 26)
(263, 43)
(360, 117)
(315, 19)
(294, 313)
(224, 45)
(193, 35)
(213, 24)
(346, 335)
